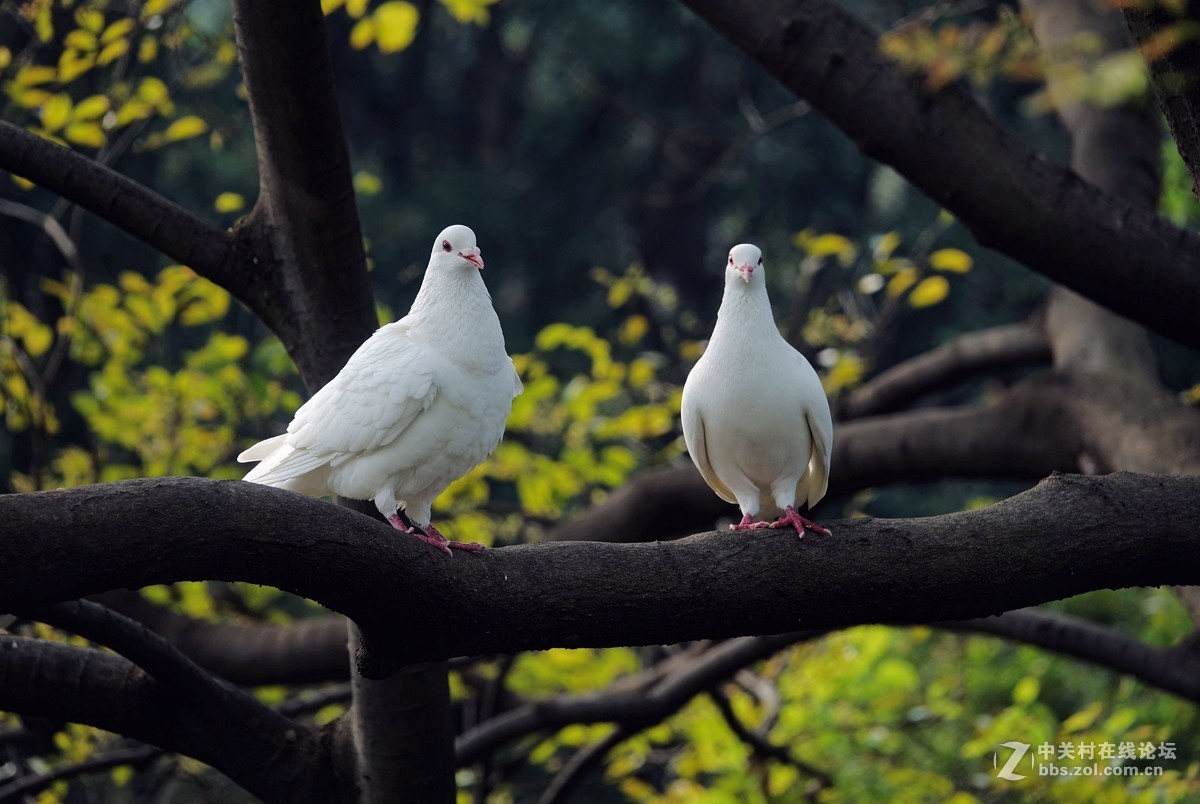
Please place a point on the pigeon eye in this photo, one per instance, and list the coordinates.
(760, 260)
(445, 245)
(731, 259)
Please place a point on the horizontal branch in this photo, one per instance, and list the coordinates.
(102, 689)
(634, 707)
(961, 358)
(1170, 669)
(121, 201)
(1005, 192)
(304, 651)
(1034, 547)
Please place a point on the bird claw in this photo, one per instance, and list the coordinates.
(748, 523)
(431, 536)
(792, 518)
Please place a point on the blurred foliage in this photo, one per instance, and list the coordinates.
(570, 136)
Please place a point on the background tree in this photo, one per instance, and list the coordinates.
(504, 113)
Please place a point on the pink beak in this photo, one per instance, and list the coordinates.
(472, 256)
(746, 270)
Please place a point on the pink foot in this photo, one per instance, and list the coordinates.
(793, 519)
(748, 523)
(430, 535)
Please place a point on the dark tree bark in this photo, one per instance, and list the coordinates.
(1006, 193)
(976, 563)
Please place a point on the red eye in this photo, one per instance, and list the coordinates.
(445, 245)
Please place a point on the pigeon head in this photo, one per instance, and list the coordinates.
(745, 260)
(454, 247)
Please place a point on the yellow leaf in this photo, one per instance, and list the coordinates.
(30, 98)
(153, 91)
(1083, 718)
(886, 245)
(395, 25)
(929, 292)
(356, 8)
(72, 64)
(951, 259)
(134, 109)
(80, 40)
(5, 57)
(363, 33)
(367, 183)
(229, 202)
(827, 245)
(91, 107)
(117, 29)
(475, 11)
(185, 128)
(90, 19)
(330, 6)
(154, 7)
(87, 134)
(22, 182)
(34, 74)
(904, 279)
(113, 51)
(147, 50)
(56, 112)
(633, 329)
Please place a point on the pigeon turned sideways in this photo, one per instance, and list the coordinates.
(755, 418)
(422, 402)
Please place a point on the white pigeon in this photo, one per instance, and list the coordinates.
(755, 418)
(421, 403)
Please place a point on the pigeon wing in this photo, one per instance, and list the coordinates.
(384, 386)
(697, 444)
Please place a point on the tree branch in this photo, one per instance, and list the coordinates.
(305, 651)
(712, 585)
(1002, 190)
(102, 689)
(1170, 669)
(136, 758)
(634, 708)
(313, 290)
(951, 363)
(121, 201)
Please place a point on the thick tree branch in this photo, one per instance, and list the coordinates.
(313, 291)
(118, 199)
(945, 366)
(1170, 669)
(102, 689)
(305, 651)
(1009, 196)
(68, 543)
(1173, 71)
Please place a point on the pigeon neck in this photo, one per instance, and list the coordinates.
(746, 304)
(454, 312)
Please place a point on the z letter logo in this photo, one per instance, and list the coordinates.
(1018, 751)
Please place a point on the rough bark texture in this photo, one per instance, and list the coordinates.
(1173, 70)
(976, 563)
(1006, 193)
